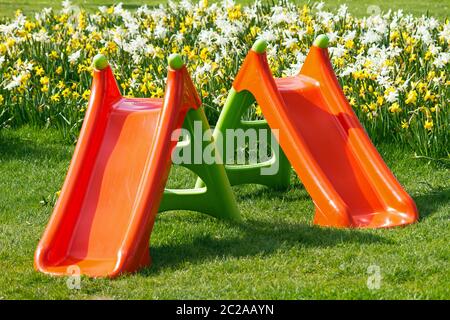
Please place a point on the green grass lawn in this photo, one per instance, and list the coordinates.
(436, 8)
(275, 252)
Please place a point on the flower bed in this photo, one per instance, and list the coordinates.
(394, 68)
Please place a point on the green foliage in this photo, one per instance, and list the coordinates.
(395, 79)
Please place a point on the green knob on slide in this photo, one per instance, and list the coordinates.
(100, 62)
(321, 41)
(175, 61)
(259, 46)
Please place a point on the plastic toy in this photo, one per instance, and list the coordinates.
(107, 207)
(324, 141)
(115, 184)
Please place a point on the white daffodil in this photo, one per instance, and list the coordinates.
(342, 11)
(349, 35)
(371, 36)
(319, 5)
(442, 59)
(160, 31)
(118, 10)
(445, 33)
(338, 51)
(290, 43)
(392, 95)
(15, 82)
(75, 56)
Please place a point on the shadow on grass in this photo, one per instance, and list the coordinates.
(21, 148)
(432, 201)
(263, 238)
(293, 193)
(255, 238)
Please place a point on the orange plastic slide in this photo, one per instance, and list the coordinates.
(106, 210)
(349, 182)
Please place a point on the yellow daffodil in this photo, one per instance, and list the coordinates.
(44, 81)
(349, 44)
(411, 97)
(53, 55)
(405, 124)
(428, 124)
(66, 92)
(55, 97)
(395, 108)
(86, 94)
(39, 71)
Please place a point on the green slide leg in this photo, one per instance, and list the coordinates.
(215, 197)
(236, 105)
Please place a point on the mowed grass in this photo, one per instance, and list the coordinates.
(275, 253)
(358, 8)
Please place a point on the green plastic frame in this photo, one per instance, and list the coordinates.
(215, 197)
(236, 105)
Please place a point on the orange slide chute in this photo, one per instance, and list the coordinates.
(349, 182)
(107, 207)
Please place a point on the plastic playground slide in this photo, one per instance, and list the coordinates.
(114, 188)
(106, 210)
(321, 136)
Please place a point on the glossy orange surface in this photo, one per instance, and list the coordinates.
(108, 204)
(349, 182)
